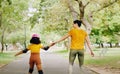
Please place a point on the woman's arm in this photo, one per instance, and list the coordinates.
(89, 45)
(63, 38)
(47, 47)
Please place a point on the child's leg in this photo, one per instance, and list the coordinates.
(31, 68)
(39, 68)
(30, 71)
(40, 72)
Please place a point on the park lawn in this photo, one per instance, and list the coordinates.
(110, 59)
(106, 61)
(6, 57)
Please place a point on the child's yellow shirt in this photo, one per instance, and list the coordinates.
(77, 38)
(34, 48)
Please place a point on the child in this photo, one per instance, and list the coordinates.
(35, 47)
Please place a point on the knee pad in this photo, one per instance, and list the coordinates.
(30, 70)
(40, 72)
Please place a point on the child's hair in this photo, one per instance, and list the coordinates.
(78, 22)
(35, 40)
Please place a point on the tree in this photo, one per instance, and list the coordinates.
(108, 24)
(87, 19)
(10, 18)
(3, 29)
(53, 11)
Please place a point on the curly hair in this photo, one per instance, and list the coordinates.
(35, 40)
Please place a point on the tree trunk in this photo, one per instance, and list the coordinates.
(102, 45)
(87, 25)
(110, 45)
(0, 19)
(25, 36)
(116, 44)
(81, 15)
(73, 12)
(99, 45)
(2, 41)
(6, 45)
(86, 22)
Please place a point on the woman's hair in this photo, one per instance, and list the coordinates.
(35, 40)
(78, 22)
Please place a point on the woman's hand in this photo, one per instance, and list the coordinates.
(92, 54)
(53, 43)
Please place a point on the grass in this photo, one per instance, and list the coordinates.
(62, 51)
(109, 59)
(109, 62)
(6, 57)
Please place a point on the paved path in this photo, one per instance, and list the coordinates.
(51, 63)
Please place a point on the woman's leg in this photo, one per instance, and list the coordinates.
(81, 57)
(72, 57)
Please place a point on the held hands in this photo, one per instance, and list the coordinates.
(53, 43)
(47, 47)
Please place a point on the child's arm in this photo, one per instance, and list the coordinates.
(21, 52)
(46, 48)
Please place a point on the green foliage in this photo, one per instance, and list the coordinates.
(10, 2)
(57, 17)
(54, 18)
(106, 24)
(112, 56)
(12, 20)
(108, 61)
(14, 38)
(62, 51)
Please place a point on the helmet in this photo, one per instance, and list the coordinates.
(35, 35)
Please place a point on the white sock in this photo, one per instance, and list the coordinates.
(70, 69)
